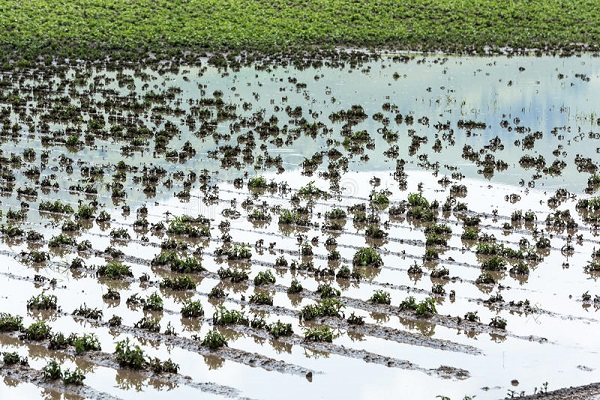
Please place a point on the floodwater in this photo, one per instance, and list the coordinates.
(503, 108)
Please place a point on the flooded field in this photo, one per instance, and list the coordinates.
(426, 226)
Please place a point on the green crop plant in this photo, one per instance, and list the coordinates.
(295, 287)
(279, 328)
(52, 371)
(148, 324)
(55, 207)
(158, 366)
(326, 291)
(469, 234)
(129, 356)
(75, 377)
(498, 322)
(10, 323)
(493, 263)
(367, 256)
(42, 302)
(426, 308)
(153, 302)
(223, 316)
(114, 270)
(380, 297)
(13, 358)
(217, 292)
(380, 199)
(354, 319)
(257, 182)
(178, 283)
(328, 307)
(264, 278)
(87, 312)
(85, 212)
(192, 309)
(61, 240)
(214, 340)
(58, 341)
(261, 298)
(87, 342)
(319, 334)
(485, 279)
(410, 303)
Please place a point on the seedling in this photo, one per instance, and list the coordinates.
(42, 302)
(86, 312)
(498, 322)
(192, 309)
(87, 342)
(279, 328)
(367, 256)
(426, 308)
(153, 303)
(214, 340)
(380, 297)
(52, 371)
(223, 316)
(295, 287)
(128, 356)
(114, 270)
(75, 377)
(264, 278)
(178, 283)
(319, 334)
(261, 298)
(10, 323)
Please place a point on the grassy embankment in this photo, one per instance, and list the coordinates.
(91, 29)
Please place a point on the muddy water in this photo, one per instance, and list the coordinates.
(395, 351)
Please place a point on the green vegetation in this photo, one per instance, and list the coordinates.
(234, 274)
(183, 265)
(61, 240)
(258, 182)
(223, 316)
(422, 309)
(295, 287)
(75, 377)
(279, 328)
(263, 298)
(95, 28)
(153, 302)
(148, 324)
(55, 207)
(158, 366)
(84, 212)
(319, 334)
(178, 283)
(38, 331)
(214, 340)
(264, 278)
(328, 307)
(87, 312)
(42, 302)
(114, 270)
(12, 358)
(327, 291)
(192, 309)
(52, 371)
(87, 342)
(128, 356)
(380, 297)
(367, 256)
